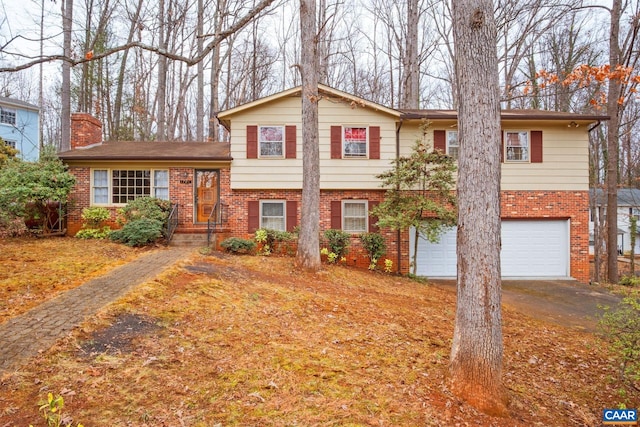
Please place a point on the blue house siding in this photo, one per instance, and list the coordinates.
(24, 133)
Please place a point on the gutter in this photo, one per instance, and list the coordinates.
(398, 232)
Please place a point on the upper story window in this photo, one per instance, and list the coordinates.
(452, 143)
(10, 143)
(271, 141)
(354, 141)
(8, 116)
(120, 186)
(516, 146)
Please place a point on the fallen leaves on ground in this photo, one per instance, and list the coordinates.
(254, 341)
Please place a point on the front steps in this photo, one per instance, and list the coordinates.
(194, 240)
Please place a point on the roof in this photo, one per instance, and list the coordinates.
(176, 151)
(224, 116)
(506, 115)
(627, 197)
(17, 103)
(409, 114)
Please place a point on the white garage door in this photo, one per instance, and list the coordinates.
(529, 249)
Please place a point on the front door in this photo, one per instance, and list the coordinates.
(207, 193)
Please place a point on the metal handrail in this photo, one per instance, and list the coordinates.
(172, 223)
(216, 217)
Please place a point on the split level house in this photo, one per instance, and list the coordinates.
(255, 180)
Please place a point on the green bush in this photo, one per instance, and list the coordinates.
(94, 217)
(269, 239)
(139, 232)
(621, 327)
(631, 281)
(374, 244)
(94, 233)
(145, 207)
(338, 242)
(237, 245)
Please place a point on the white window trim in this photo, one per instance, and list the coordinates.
(284, 212)
(110, 184)
(506, 155)
(366, 215)
(282, 148)
(11, 143)
(15, 116)
(447, 142)
(368, 144)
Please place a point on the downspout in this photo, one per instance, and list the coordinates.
(398, 232)
(594, 126)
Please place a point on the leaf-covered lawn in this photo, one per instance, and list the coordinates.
(253, 341)
(35, 270)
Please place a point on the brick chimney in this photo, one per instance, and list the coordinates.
(86, 130)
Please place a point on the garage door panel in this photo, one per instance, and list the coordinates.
(529, 249)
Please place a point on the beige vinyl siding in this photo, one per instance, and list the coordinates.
(287, 173)
(565, 156)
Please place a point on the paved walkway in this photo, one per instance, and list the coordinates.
(38, 329)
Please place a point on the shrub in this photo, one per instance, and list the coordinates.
(631, 281)
(94, 217)
(94, 233)
(140, 232)
(621, 327)
(92, 227)
(237, 245)
(145, 207)
(338, 242)
(269, 239)
(374, 244)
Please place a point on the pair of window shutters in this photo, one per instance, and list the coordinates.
(254, 215)
(440, 143)
(289, 142)
(374, 142)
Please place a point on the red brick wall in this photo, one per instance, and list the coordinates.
(571, 205)
(85, 130)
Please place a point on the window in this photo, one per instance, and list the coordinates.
(272, 215)
(9, 143)
(271, 140)
(161, 184)
(120, 186)
(517, 146)
(354, 216)
(354, 141)
(452, 143)
(8, 116)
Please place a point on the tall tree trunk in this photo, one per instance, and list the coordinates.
(309, 242)
(200, 94)
(65, 110)
(476, 353)
(410, 67)
(116, 127)
(161, 116)
(613, 110)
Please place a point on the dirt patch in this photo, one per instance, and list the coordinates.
(119, 337)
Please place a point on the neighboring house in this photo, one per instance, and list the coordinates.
(628, 205)
(258, 177)
(20, 127)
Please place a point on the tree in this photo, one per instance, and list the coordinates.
(476, 353)
(419, 194)
(309, 241)
(21, 183)
(6, 152)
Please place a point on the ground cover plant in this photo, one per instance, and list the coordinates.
(224, 340)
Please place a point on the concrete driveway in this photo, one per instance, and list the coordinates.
(564, 302)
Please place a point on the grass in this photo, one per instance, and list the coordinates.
(253, 341)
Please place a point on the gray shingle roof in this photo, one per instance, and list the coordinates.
(179, 151)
